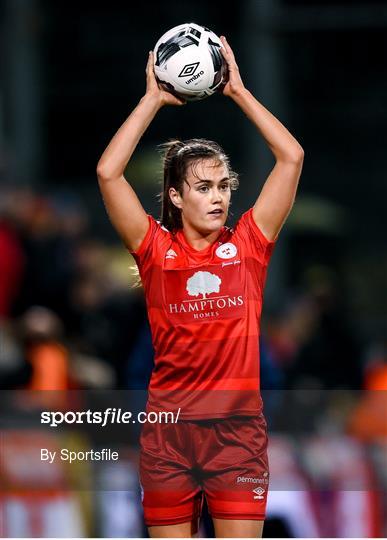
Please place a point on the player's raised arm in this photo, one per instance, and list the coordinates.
(278, 193)
(122, 204)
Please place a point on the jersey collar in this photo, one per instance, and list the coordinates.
(181, 238)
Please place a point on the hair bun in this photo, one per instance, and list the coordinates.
(170, 148)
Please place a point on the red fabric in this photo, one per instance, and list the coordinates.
(226, 458)
(204, 309)
(11, 268)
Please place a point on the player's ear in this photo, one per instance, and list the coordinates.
(175, 197)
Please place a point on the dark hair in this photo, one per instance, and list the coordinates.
(177, 156)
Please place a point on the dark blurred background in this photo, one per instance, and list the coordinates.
(70, 73)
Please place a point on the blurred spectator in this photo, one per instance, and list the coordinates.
(105, 321)
(41, 359)
(49, 259)
(332, 354)
(42, 335)
(38, 500)
(12, 260)
(346, 490)
(140, 361)
(118, 499)
(311, 339)
(290, 499)
(14, 370)
(368, 421)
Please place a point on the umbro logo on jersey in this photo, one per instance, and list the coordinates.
(226, 251)
(171, 254)
(259, 491)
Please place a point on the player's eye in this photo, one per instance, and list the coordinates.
(224, 187)
(203, 189)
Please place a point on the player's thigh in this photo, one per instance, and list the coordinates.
(238, 484)
(181, 530)
(238, 528)
(171, 497)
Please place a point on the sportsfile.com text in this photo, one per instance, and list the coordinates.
(107, 417)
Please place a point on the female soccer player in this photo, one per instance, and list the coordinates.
(204, 285)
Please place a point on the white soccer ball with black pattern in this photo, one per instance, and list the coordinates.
(188, 61)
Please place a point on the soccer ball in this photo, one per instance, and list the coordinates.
(188, 61)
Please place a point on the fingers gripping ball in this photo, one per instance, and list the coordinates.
(188, 61)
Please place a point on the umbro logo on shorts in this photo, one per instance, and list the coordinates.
(259, 491)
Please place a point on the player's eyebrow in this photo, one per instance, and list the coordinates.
(207, 181)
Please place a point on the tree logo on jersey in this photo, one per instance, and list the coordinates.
(203, 283)
(210, 295)
(226, 251)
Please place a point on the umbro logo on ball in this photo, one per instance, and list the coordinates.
(189, 69)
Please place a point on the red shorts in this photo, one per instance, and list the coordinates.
(224, 459)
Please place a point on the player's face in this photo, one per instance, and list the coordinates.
(206, 196)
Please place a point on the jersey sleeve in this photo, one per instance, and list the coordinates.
(251, 236)
(146, 253)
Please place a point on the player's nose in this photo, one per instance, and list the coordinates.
(216, 196)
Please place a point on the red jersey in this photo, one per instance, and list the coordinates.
(204, 309)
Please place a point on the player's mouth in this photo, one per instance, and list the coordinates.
(217, 212)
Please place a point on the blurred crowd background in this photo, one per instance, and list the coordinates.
(70, 318)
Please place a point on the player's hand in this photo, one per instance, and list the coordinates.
(234, 83)
(153, 88)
